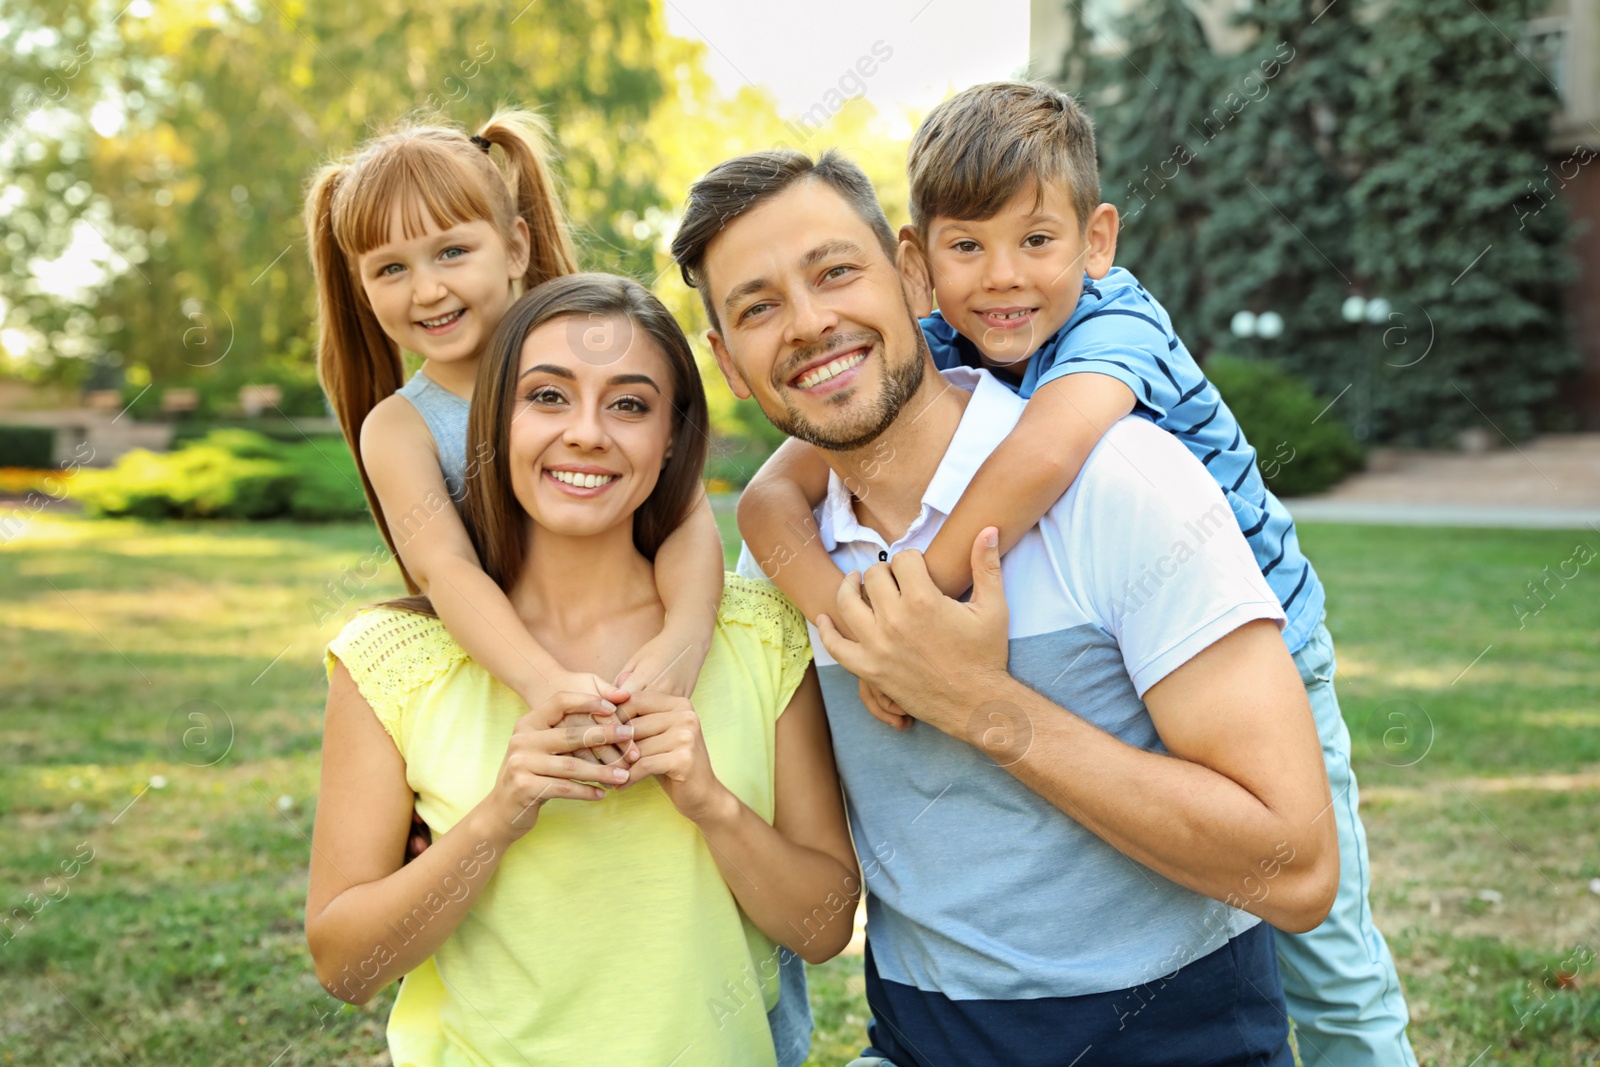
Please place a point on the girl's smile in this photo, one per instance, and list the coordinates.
(439, 292)
(442, 324)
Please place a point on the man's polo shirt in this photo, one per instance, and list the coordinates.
(977, 888)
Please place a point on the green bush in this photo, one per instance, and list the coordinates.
(27, 446)
(134, 487)
(245, 444)
(268, 426)
(1299, 453)
(223, 484)
(736, 459)
(326, 483)
(229, 474)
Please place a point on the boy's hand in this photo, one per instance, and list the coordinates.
(419, 839)
(883, 707)
(667, 663)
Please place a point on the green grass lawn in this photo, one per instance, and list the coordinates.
(161, 714)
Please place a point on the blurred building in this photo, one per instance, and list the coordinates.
(1564, 43)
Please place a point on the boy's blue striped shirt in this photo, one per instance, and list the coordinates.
(1118, 329)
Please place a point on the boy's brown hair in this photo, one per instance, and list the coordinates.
(979, 148)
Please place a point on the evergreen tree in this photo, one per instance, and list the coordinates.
(1073, 73)
(1149, 90)
(1457, 221)
(1278, 237)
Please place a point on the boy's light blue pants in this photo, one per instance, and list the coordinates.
(1339, 980)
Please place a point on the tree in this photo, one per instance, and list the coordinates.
(1150, 92)
(184, 136)
(50, 77)
(694, 128)
(1353, 150)
(1456, 219)
(1278, 237)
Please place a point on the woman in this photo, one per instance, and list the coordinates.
(568, 912)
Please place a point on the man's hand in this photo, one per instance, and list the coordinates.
(937, 659)
(878, 705)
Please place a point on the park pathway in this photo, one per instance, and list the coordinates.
(1550, 482)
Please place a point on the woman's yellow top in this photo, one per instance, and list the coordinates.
(626, 879)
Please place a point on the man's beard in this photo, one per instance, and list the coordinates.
(900, 384)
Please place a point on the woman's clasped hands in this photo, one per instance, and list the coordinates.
(542, 760)
(549, 755)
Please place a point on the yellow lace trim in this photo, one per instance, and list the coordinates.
(778, 623)
(391, 653)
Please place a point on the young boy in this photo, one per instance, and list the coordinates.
(1009, 231)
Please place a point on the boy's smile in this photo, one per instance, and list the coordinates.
(1009, 282)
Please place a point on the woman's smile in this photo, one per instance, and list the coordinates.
(581, 481)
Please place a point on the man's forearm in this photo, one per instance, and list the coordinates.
(1183, 820)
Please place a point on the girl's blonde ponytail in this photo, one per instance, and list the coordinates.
(357, 364)
(524, 138)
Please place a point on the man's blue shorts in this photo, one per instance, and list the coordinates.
(1224, 1008)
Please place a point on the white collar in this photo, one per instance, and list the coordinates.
(990, 414)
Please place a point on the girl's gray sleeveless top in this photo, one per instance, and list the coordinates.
(446, 416)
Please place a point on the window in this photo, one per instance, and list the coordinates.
(1544, 40)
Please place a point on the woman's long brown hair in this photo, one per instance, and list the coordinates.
(428, 171)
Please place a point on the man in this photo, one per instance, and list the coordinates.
(1045, 851)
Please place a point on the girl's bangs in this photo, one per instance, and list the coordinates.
(432, 182)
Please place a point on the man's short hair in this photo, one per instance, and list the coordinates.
(978, 149)
(730, 189)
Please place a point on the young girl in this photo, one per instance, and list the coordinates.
(552, 921)
(420, 242)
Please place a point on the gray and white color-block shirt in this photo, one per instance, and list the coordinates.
(978, 888)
